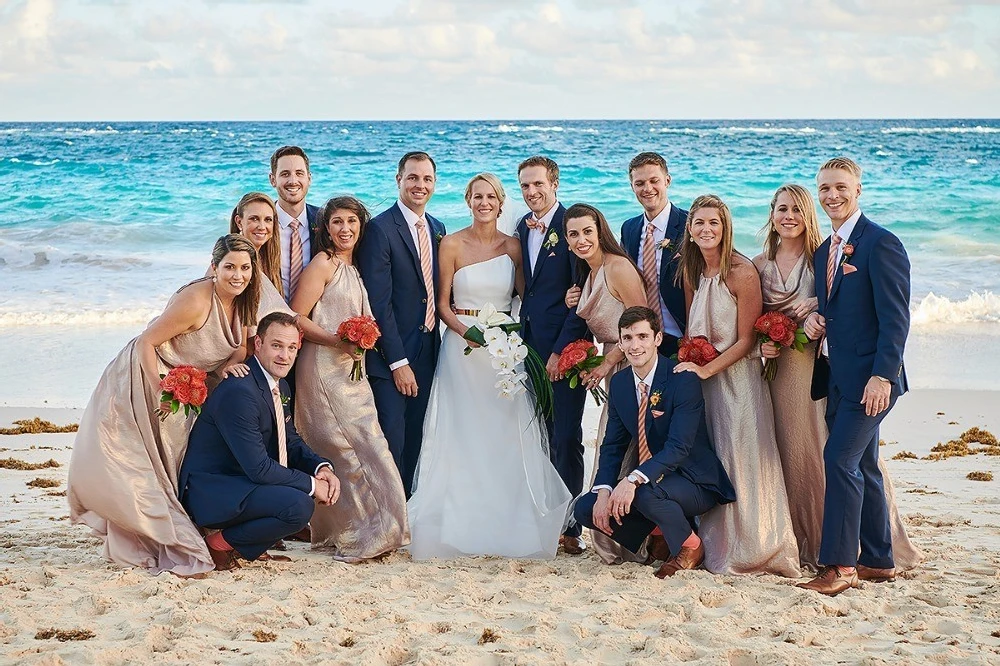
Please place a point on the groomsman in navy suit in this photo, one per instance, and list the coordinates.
(653, 241)
(290, 177)
(398, 259)
(678, 477)
(246, 471)
(863, 288)
(547, 324)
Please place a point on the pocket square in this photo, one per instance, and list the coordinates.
(848, 269)
(552, 254)
(288, 419)
(656, 413)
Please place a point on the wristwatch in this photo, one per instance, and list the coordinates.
(634, 479)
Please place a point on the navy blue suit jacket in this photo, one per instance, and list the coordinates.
(233, 449)
(867, 313)
(678, 438)
(390, 265)
(673, 295)
(547, 324)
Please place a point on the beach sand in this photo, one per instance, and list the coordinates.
(500, 611)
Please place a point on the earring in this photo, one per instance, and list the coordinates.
(214, 279)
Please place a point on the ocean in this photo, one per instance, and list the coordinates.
(101, 222)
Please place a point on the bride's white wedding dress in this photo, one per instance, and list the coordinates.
(484, 483)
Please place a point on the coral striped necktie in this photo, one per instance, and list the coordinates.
(831, 262)
(649, 270)
(279, 417)
(426, 267)
(294, 258)
(644, 453)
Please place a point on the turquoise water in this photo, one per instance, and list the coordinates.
(101, 222)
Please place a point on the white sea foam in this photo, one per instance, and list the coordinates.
(79, 318)
(507, 128)
(977, 307)
(978, 129)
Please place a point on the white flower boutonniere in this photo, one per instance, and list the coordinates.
(664, 244)
(551, 241)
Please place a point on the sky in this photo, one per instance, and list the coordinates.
(497, 59)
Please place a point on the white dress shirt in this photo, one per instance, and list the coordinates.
(670, 326)
(536, 237)
(411, 222)
(285, 233)
(273, 384)
(846, 229)
(638, 400)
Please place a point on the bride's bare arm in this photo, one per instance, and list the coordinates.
(447, 264)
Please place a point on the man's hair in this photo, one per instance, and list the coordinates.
(645, 159)
(637, 313)
(551, 168)
(845, 163)
(285, 151)
(276, 318)
(417, 155)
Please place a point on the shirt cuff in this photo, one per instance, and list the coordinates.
(312, 482)
(321, 466)
(398, 364)
(642, 477)
(596, 488)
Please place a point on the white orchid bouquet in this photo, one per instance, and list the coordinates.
(514, 361)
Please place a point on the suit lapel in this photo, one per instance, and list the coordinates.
(819, 265)
(522, 235)
(674, 227)
(628, 407)
(543, 252)
(404, 231)
(634, 231)
(265, 388)
(838, 275)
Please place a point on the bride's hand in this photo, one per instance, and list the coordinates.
(468, 342)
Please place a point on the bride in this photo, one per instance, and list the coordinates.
(484, 483)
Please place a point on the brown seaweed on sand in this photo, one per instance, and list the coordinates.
(37, 426)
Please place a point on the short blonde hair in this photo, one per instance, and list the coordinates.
(845, 163)
(492, 180)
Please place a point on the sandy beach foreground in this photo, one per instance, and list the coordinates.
(499, 611)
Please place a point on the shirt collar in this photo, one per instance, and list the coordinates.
(285, 220)
(408, 215)
(660, 221)
(648, 381)
(847, 228)
(547, 218)
(271, 381)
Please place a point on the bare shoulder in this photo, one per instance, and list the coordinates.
(743, 274)
(512, 246)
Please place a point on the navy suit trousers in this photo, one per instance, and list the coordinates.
(269, 514)
(855, 509)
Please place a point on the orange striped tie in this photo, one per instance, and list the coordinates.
(649, 270)
(644, 453)
(426, 268)
(279, 417)
(294, 258)
(831, 262)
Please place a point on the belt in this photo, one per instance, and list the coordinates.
(474, 313)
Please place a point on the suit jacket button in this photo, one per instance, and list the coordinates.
(423, 300)
(422, 329)
(531, 293)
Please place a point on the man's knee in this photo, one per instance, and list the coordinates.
(584, 510)
(299, 512)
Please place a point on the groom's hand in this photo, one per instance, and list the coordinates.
(602, 511)
(621, 499)
(332, 481)
(406, 381)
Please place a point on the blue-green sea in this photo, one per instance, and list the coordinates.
(100, 222)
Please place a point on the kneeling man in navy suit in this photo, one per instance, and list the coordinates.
(678, 477)
(247, 473)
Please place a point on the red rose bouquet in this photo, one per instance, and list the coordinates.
(781, 330)
(184, 386)
(364, 333)
(697, 350)
(576, 357)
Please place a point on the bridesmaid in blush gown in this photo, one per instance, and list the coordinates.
(126, 458)
(336, 416)
(611, 283)
(753, 534)
(789, 286)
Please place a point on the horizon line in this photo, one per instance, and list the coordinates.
(497, 119)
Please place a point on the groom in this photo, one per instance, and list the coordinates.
(863, 318)
(398, 259)
(679, 475)
(548, 325)
(247, 472)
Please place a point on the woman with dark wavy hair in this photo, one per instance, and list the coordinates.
(335, 415)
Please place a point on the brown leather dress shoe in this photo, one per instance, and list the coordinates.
(831, 582)
(658, 548)
(224, 559)
(876, 575)
(305, 534)
(573, 545)
(688, 558)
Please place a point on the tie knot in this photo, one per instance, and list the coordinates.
(421, 223)
(295, 224)
(650, 228)
(643, 388)
(835, 240)
(276, 392)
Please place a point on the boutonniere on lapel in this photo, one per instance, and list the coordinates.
(655, 398)
(664, 244)
(284, 407)
(551, 241)
(848, 252)
(437, 238)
